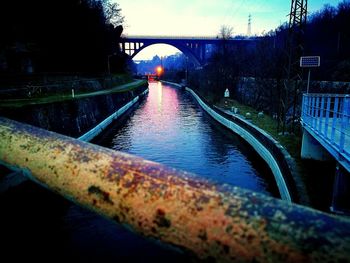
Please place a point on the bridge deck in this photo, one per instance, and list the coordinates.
(185, 38)
(327, 118)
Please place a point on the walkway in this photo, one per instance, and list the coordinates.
(64, 97)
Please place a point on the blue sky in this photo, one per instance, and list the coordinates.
(203, 17)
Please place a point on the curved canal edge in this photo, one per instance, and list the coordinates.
(264, 153)
(91, 134)
(271, 151)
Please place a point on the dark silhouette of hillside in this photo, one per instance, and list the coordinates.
(59, 36)
(328, 35)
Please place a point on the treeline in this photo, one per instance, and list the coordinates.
(327, 35)
(175, 67)
(59, 36)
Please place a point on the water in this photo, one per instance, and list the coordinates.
(168, 127)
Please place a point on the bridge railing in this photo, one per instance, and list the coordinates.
(216, 223)
(167, 37)
(328, 115)
(212, 38)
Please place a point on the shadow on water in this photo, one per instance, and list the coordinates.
(37, 225)
(319, 180)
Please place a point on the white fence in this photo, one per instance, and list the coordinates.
(328, 115)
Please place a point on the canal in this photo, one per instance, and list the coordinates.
(170, 128)
(167, 127)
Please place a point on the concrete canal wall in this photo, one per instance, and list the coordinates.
(278, 159)
(82, 118)
(88, 136)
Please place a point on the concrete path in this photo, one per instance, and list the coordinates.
(56, 98)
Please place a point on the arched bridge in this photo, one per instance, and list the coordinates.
(195, 48)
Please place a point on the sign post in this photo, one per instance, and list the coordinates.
(227, 93)
(309, 62)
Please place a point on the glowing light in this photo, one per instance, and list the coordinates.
(159, 70)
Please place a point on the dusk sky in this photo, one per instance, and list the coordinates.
(203, 18)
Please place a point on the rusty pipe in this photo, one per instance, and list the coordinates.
(215, 222)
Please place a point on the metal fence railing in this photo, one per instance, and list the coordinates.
(328, 115)
(215, 223)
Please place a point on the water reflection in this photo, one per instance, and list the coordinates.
(170, 128)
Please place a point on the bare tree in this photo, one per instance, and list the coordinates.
(226, 32)
(113, 13)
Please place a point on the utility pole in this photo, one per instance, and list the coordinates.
(294, 50)
(249, 31)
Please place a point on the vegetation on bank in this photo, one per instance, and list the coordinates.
(327, 35)
(292, 142)
(255, 73)
(17, 103)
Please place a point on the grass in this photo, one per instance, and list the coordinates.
(16, 103)
(292, 142)
(315, 194)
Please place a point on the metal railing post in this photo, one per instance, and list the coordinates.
(321, 115)
(327, 117)
(313, 112)
(309, 107)
(344, 121)
(317, 108)
(334, 120)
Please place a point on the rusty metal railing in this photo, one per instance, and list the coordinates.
(224, 223)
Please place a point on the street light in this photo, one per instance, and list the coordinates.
(159, 70)
(108, 64)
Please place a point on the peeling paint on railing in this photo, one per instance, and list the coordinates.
(217, 223)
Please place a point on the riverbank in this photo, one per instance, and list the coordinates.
(83, 117)
(73, 115)
(315, 179)
(315, 176)
(73, 94)
(271, 156)
(292, 142)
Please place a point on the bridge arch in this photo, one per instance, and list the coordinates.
(195, 48)
(183, 48)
